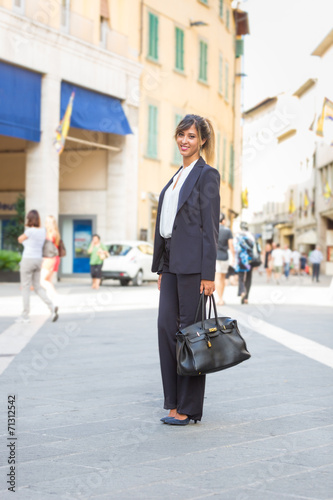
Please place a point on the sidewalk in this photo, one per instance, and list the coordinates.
(89, 400)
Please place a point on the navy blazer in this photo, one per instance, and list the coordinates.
(195, 231)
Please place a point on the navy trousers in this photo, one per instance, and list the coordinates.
(179, 297)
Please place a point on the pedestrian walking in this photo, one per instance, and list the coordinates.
(98, 252)
(296, 257)
(50, 265)
(185, 252)
(225, 243)
(315, 258)
(244, 247)
(303, 264)
(287, 256)
(267, 261)
(277, 259)
(33, 240)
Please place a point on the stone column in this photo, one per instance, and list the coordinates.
(42, 165)
(122, 185)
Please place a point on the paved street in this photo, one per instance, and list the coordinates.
(89, 399)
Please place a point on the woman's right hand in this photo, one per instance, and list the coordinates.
(159, 282)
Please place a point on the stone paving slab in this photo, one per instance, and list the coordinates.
(88, 420)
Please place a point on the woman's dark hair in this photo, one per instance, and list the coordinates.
(97, 236)
(222, 217)
(205, 132)
(33, 219)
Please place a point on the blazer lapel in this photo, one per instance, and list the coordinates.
(190, 183)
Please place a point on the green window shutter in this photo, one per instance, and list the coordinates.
(231, 166)
(218, 164)
(239, 47)
(228, 18)
(153, 37)
(224, 157)
(226, 91)
(220, 73)
(179, 49)
(221, 9)
(203, 61)
(152, 131)
(177, 157)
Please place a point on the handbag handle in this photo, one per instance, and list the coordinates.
(202, 303)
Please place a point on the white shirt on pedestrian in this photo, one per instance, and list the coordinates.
(316, 257)
(287, 254)
(277, 257)
(296, 257)
(33, 245)
(170, 201)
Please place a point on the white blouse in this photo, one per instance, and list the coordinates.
(170, 201)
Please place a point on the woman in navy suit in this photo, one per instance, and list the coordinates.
(185, 250)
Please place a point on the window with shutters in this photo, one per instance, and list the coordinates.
(226, 86)
(218, 162)
(179, 56)
(227, 22)
(203, 60)
(239, 47)
(153, 37)
(231, 166)
(152, 131)
(177, 157)
(221, 9)
(220, 74)
(224, 158)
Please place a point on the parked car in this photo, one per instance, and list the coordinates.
(129, 261)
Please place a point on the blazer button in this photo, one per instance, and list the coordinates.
(175, 227)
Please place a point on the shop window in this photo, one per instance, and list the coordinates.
(153, 37)
(179, 59)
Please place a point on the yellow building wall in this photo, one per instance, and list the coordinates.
(172, 92)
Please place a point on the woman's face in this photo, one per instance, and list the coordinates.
(188, 142)
(95, 240)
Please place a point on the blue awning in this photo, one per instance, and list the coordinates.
(94, 111)
(20, 93)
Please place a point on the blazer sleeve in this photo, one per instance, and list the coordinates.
(210, 213)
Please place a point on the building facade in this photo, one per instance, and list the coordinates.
(135, 69)
(288, 168)
(191, 53)
(46, 50)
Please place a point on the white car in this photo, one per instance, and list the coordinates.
(129, 261)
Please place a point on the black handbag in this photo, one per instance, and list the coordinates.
(49, 249)
(209, 345)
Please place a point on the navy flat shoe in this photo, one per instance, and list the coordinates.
(163, 419)
(176, 421)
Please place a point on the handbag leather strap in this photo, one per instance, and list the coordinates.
(202, 305)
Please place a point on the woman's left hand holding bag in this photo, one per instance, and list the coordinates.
(208, 286)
